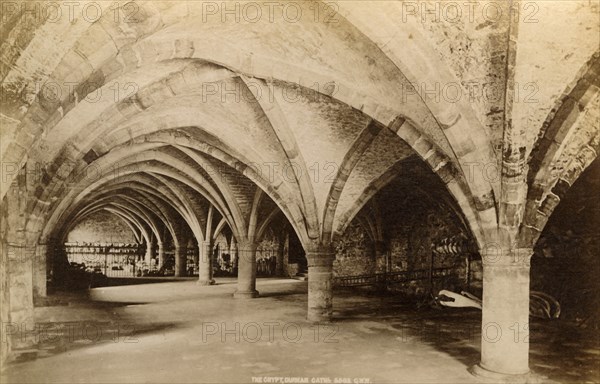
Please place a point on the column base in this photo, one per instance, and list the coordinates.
(496, 377)
(318, 318)
(245, 294)
(320, 284)
(205, 282)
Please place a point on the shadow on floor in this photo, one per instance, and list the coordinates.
(558, 349)
(117, 281)
(455, 332)
(385, 329)
(55, 338)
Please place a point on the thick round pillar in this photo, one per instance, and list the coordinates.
(320, 284)
(205, 271)
(196, 255)
(180, 261)
(505, 315)
(161, 255)
(233, 254)
(40, 271)
(246, 271)
(148, 255)
(279, 258)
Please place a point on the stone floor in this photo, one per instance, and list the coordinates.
(181, 332)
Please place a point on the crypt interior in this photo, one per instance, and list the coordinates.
(343, 191)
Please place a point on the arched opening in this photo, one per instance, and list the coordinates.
(401, 234)
(352, 144)
(565, 262)
(566, 266)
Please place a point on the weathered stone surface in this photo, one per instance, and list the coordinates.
(159, 117)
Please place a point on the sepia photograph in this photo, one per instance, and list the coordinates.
(300, 191)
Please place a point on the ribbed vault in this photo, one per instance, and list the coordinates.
(191, 125)
(318, 123)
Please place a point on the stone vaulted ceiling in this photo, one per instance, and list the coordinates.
(155, 109)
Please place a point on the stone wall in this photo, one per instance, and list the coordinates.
(355, 253)
(411, 238)
(102, 227)
(566, 265)
(268, 246)
(413, 217)
(19, 258)
(4, 286)
(221, 243)
(566, 262)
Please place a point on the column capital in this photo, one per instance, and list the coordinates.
(247, 246)
(506, 257)
(320, 256)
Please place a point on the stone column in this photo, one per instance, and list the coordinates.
(233, 254)
(40, 270)
(180, 261)
(320, 283)
(505, 315)
(5, 345)
(19, 280)
(17, 258)
(246, 270)
(148, 256)
(279, 258)
(161, 255)
(205, 268)
(381, 264)
(286, 255)
(197, 252)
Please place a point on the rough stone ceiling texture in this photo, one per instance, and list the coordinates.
(386, 150)
(476, 54)
(243, 92)
(585, 130)
(550, 53)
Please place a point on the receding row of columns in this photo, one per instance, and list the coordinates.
(320, 282)
(505, 310)
(203, 258)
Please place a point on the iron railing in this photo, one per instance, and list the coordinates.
(388, 278)
(113, 260)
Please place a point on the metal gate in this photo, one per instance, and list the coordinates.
(113, 260)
